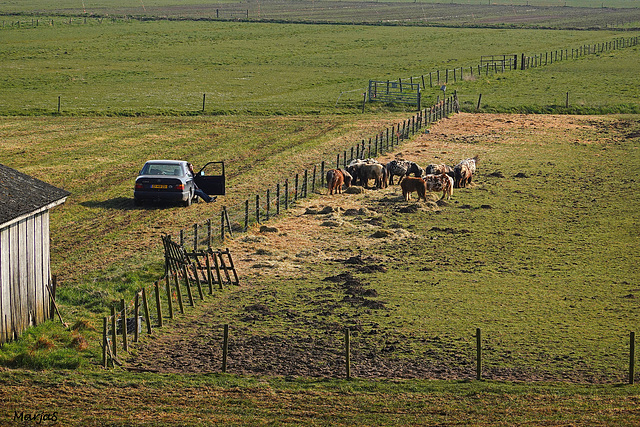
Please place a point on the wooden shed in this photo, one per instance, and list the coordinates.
(24, 250)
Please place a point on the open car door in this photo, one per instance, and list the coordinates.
(211, 179)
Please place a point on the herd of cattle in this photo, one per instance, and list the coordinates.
(435, 177)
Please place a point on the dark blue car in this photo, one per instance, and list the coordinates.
(171, 181)
(165, 181)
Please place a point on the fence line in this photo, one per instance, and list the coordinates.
(509, 62)
(200, 237)
(280, 196)
(184, 256)
(344, 367)
(119, 326)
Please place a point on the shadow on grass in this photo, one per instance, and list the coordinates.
(126, 203)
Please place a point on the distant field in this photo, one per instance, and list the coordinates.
(150, 5)
(576, 14)
(162, 67)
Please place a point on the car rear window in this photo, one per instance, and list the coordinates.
(162, 169)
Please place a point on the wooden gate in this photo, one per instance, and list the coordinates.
(198, 263)
(395, 92)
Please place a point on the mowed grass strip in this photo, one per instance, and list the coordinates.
(150, 399)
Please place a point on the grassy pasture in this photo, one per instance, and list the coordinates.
(540, 254)
(544, 89)
(542, 259)
(166, 67)
(97, 160)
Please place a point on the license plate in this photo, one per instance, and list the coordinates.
(158, 186)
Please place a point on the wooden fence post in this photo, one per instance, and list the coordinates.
(209, 273)
(246, 215)
(136, 314)
(258, 208)
(347, 352)
(286, 194)
(145, 306)
(632, 356)
(179, 292)
(158, 307)
(114, 332)
(222, 226)
(123, 325)
(313, 179)
(478, 355)
(187, 283)
(169, 297)
(217, 265)
(268, 203)
(225, 348)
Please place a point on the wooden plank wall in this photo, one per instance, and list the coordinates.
(24, 275)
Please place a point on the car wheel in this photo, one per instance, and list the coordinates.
(187, 202)
(137, 202)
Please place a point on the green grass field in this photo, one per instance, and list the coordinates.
(166, 67)
(544, 262)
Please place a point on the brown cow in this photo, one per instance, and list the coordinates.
(410, 184)
(442, 182)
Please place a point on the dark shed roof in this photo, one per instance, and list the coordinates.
(21, 194)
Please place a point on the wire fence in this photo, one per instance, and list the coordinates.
(280, 196)
(494, 64)
(193, 261)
